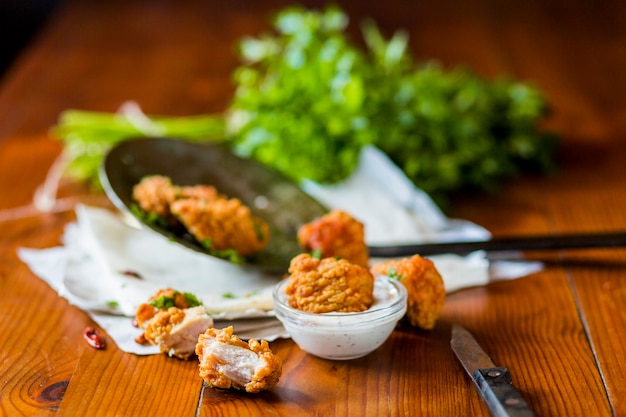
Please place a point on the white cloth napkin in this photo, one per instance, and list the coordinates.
(103, 252)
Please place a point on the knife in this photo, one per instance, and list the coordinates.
(492, 382)
(539, 242)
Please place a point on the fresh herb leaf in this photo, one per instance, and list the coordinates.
(393, 275)
(230, 255)
(207, 243)
(305, 109)
(165, 302)
(258, 230)
(88, 135)
(308, 99)
(148, 217)
(192, 300)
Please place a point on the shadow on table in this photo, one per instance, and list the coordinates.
(20, 20)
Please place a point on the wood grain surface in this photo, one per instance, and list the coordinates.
(560, 331)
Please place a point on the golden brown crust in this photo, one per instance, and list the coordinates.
(323, 286)
(424, 285)
(220, 354)
(154, 194)
(227, 224)
(146, 311)
(161, 324)
(174, 329)
(209, 216)
(199, 192)
(336, 234)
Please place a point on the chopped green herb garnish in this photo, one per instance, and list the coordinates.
(192, 300)
(113, 304)
(317, 254)
(259, 231)
(165, 302)
(230, 295)
(230, 255)
(149, 218)
(253, 293)
(393, 275)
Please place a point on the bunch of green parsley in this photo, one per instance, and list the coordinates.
(307, 100)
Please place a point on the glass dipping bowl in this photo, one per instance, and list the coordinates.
(343, 336)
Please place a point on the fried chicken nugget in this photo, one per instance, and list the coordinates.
(323, 286)
(423, 284)
(226, 224)
(228, 362)
(148, 309)
(175, 330)
(199, 192)
(336, 234)
(209, 216)
(154, 194)
(172, 320)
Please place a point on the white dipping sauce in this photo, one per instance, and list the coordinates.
(344, 335)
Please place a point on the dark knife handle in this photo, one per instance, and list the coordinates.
(546, 242)
(502, 399)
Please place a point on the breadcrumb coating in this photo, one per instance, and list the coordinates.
(146, 310)
(424, 286)
(174, 326)
(327, 285)
(336, 234)
(226, 361)
(199, 192)
(154, 194)
(226, 224)
(212, 218)
(175, 331)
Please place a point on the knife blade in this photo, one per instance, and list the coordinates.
(493, 382)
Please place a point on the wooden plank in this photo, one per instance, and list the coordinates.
(558, 339)
(428, 384)
(110, 382)
(40, 345)
(532, 327)
(598, 277)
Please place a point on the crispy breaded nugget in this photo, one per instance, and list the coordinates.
(172, 320)
(226, 224)
(175, 330)
(148, 309)
(213, 219)
(199, 192)
(154, 194)
(423, 284)
(228, 362)
(336, 234)
(322, 286)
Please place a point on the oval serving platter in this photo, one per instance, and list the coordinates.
(268, 194)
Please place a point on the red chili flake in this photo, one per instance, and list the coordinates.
(141, 339)
(94, 338)
(133, 274)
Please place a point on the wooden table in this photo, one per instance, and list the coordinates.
(561, 331)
